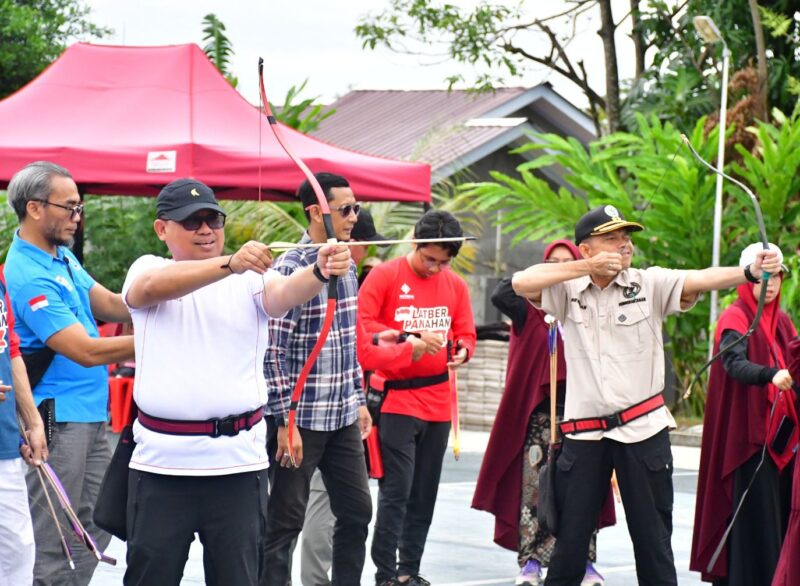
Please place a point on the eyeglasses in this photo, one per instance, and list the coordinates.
(75, 210)
(431, 262)
(193, 223)
(346, 209)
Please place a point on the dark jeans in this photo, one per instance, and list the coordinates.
(412, 451)
(644, 474)
(164, 512)
(339, 455)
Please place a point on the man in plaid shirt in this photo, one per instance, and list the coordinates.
(332, 418)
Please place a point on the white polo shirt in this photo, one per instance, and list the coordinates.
(613, 346)
(200, 357)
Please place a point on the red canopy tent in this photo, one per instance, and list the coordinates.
(128, 120)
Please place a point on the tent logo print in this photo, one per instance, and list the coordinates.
(162, 161)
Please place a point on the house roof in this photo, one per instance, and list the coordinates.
(450, 130)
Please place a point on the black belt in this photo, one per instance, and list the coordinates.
(415, 383)
(228, 426)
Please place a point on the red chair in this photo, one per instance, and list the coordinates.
(120, 388)
(120, 402)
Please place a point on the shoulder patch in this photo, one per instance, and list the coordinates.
(38, 302)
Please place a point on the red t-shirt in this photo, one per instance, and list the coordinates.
(394, 297)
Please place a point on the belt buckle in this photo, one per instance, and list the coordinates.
(225, 426)
(612, 421)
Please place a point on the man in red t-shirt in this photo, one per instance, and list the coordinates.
(417, 294)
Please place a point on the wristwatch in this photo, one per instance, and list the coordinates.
(749, 276)
(318, 273)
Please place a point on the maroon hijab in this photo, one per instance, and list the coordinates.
(499, 487)
(735, 424)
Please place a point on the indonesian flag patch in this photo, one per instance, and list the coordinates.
(38, 302)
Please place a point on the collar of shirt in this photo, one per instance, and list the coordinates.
(35, 253)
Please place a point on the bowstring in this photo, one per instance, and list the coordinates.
(658, 337)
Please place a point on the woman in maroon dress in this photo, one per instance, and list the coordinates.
(508, 483)
(749, 395)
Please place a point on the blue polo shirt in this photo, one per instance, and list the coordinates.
(49, 293)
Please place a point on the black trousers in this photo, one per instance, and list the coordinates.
(164, 512)
(644, 474)
(339, 455)
(412, 451)
(754, 544)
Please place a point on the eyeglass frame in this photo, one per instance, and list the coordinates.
(353, 207)
(76, 210)
(431, 263)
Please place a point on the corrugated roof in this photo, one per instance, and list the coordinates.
(394, 123)
(446, 129)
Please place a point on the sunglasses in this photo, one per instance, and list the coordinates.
(193, 223)
(346, 209)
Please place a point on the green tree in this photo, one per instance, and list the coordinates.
(33, 33)
(302, 114)
(671, 77)
(681, 85)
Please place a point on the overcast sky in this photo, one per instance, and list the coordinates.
(314, 39)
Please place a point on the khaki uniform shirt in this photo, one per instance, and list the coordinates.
(613, 346)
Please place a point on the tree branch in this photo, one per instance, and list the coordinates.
(551, 64)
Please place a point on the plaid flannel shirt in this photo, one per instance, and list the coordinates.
(333, 391)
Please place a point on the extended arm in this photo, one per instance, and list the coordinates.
(714, 278)
(285, 292)
(530, 282)
(177, 279)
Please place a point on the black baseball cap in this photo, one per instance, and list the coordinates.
(601, 220)
(364, 228)
(183, 197)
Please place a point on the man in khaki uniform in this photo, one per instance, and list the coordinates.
(614, 416)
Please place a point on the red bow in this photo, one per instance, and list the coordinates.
(333, 290)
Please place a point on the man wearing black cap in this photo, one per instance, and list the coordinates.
(200, 323)
(614, 416)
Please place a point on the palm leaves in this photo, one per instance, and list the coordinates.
(647, 177)
(218, 47)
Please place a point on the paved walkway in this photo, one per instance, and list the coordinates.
(460, 551)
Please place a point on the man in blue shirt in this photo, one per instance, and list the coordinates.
(56, 302)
